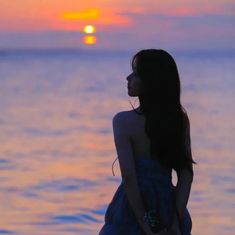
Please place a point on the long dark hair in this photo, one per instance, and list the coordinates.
(167, 124)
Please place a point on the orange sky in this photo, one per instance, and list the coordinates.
(124, 16)
(48, 14)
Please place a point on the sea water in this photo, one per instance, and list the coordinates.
(56, 143)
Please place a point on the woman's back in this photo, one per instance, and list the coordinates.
(135, 128)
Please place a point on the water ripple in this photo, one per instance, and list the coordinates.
(100, 211)
(62, 185)
(3, 231)
(5, 164)
(81, 218)
(69, 184)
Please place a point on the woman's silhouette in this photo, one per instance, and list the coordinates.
(151, 140)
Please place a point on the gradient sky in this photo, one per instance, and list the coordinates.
(120, 24)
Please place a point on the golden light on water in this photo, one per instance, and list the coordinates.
(88, 29)
(89, 40)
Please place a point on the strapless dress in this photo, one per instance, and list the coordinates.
(158, 194)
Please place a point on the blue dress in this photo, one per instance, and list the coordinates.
(157, 192)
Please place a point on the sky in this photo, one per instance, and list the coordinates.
(120, 24)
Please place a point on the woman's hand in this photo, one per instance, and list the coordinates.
(168, 232)
(164, 232)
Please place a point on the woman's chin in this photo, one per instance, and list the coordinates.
(131, 94)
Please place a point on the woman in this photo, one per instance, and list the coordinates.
(151, 141)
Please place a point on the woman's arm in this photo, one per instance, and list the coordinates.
(183, 187)
(124, 149)
(184, 182)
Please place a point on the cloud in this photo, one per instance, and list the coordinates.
(134, 29)
(194, 28)
(102, 17)
(82, 15)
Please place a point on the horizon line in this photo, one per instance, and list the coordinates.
(75, 50)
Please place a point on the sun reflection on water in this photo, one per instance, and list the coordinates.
(89, 39)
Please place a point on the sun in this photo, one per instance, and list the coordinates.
(89, 39)
(89, 29)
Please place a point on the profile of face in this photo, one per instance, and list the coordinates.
(134, 84)
(154, 75)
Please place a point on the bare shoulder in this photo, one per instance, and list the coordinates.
(124, 118)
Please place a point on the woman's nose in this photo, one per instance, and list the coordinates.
(128, 77)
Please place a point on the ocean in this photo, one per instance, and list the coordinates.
(57, 147)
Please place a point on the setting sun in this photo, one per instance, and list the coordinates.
(89, 40)
(88, 29)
